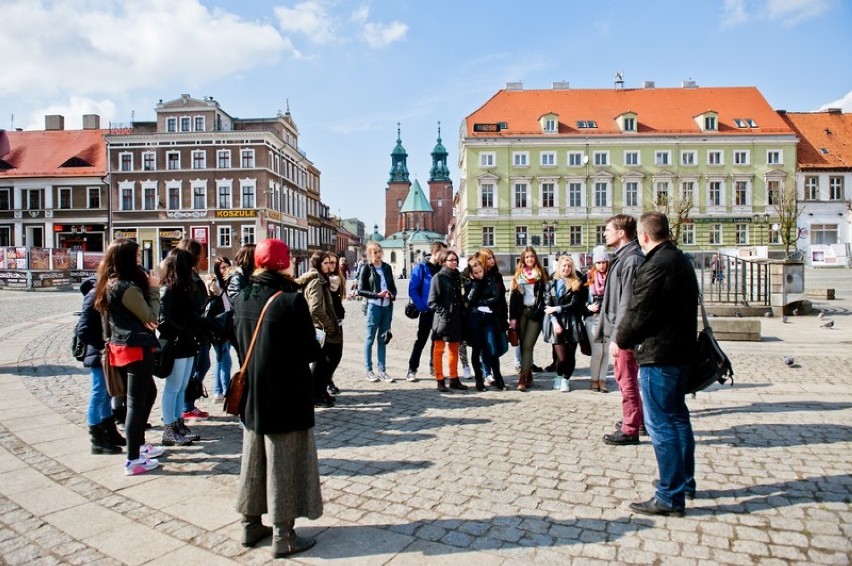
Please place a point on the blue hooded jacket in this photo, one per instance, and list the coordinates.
(418, 285)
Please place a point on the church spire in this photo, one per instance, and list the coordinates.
(439, 170)
(399, 158)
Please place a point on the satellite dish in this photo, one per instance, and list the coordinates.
(585, 159)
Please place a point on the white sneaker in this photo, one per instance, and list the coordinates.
(565, 387)
(468, 374)
(140, 466)
(372, 377)
(489, 379)
(411, 376)
(150, 451)
(383, 375)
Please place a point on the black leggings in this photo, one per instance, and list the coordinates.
(325, 366)
(141, 394)
(565, 358)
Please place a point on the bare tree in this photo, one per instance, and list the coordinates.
(784, 198)
(676, 206)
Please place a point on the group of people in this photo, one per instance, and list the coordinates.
(636, 309)
(135, 316)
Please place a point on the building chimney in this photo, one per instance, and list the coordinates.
(517, 85)
(91, 122)
(688, 84)
(649, 84)
(834, 110)
(561, 85)
(54, 122)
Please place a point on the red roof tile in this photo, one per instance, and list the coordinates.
(658, 111)
(43, 153)
(830, 131)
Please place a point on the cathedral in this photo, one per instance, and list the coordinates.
(414, 220)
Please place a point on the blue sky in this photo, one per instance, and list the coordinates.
(352, 69)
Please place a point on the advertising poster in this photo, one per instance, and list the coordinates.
(62, 258)
(39, 259)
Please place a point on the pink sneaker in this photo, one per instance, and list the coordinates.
(196, 414)
(140, 466)
(150, 451)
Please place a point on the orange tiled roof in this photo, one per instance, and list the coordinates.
(43, 154)
(831, 131)
(658, 110)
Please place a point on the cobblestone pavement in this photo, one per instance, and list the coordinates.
(413, 476)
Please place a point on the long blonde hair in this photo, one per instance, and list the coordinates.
(572, 281)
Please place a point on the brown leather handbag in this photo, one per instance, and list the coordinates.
(237, 385)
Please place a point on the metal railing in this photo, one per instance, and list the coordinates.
(729, 279)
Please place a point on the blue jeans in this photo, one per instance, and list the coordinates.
(222, 368)
(667, 421)
(99, 401)
(378, 322)
(202, 366)
(175, 389)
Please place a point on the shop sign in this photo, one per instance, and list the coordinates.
(237, 213)
(128, 234)
(744, 220)
(174, 234)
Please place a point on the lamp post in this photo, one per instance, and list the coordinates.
(761, 220)
(404, 253)
(549, 234)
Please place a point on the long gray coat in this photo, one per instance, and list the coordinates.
(618, 290)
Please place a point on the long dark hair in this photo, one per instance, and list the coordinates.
(177, 270)
(193, 247)
(316, 262)
(119, 262)
(217, 270)
(245, 259)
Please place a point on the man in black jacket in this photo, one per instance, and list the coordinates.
(660, 326)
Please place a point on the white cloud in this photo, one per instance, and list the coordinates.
(110, 48)
(73, 111)
(844, 103)
(787, 12)
(381, 35)
(311, 19)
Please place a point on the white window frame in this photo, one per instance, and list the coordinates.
(248, 193)
(520, 159)
(550, 125)
(488, 236)
(125, 161)
(64, 191)
(169, 155)
(710, 184)
(600, 158)
(689, 158)
(487, 159)
(247, 158)
(522, 236)
(718, 153)
(742, 157)
(741, 235)
(199, 190)
(811, 189)
(223, 236)
(575, 236)
(774, 157)
(746, 192)
(487, 191)
(715, 235)
(149, 187)
(149, 161)
(711, 123)
(629, 124)
(226, 154)
(631, 188)
(660, 188)
(226, 187)
(195, 154)
(548, 159)
(692, 189)
(554, 193)
(172, 186)
(199, 121)
(575, 159)
(575, 188)
(836, 188)
(516, 195)
(663, 157)
(128, 188)
(186, 123)
(607, 194)
(248, 234)
(820, 234)
(636, 157)
(96, 191)
(171, 124)
(6, 198)
(687, 234)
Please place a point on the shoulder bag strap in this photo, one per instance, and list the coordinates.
(703, 312)
(256, 329)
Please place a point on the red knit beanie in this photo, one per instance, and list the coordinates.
(272, 254)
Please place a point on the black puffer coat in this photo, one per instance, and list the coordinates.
(90, 329)
(279, 395)
(445, 298)
(572, 307)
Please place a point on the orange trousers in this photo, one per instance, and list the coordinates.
(452, 362)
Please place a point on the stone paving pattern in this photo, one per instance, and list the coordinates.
(411, 476)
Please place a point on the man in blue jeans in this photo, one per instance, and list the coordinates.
(660, 327)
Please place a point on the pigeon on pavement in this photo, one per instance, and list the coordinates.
(789, 361)
(829, 324)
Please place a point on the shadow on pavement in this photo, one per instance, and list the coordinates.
(459, 535)
(780, 407)
(354, 467)
(823, 489)
(781, 434)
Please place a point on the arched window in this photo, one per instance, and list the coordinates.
(393, 257)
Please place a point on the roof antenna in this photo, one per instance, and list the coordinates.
(619, 79)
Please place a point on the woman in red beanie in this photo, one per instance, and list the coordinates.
(279, 473)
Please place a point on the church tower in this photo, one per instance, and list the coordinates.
(440, 188)
(398, 186)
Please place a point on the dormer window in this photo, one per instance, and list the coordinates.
(627, 121)
(549, 123)
(630, 124)
(708, 121)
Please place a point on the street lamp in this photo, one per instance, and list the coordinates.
(761, 220)
(549, 233)
(403, 253)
